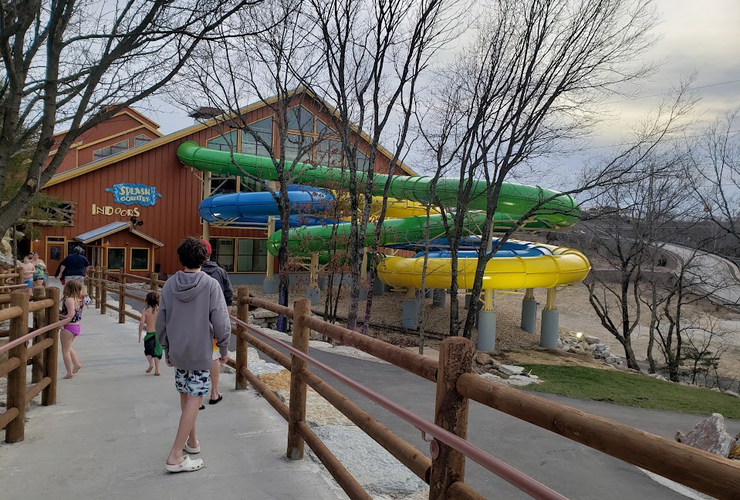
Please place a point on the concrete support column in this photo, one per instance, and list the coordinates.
(312, 292)
(529, 312)
(550, 322)
(378, 287)
(439, 297)
(487, 323)
(410, 312)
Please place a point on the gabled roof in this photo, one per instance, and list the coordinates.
(91, 167)
(113, 228)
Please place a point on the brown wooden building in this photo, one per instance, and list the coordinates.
(129, 201)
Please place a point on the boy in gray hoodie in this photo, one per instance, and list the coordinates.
(192, 313)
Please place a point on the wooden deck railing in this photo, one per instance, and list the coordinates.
(697, 469)
(101, 281)
(42, 355)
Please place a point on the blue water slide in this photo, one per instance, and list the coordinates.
(511, 248)
(245, 207)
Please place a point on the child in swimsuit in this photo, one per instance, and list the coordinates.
(71, 301)
(152, 349)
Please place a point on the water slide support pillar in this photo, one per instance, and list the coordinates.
(270, 285)
(487, 316)
(529, 312)
(410, 312)
(439, 297)
(312, 292)
(550, 322)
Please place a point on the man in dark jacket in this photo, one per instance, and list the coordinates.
(219, 274)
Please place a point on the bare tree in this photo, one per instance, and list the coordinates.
(76, 63)
(714, 159)
(525, 83)
(372, 55)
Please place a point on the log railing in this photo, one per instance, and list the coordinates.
(42, 355)
(444, 473)
(101, 281)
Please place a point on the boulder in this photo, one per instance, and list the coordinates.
(591, 339)
(709, 435)
(511, 369)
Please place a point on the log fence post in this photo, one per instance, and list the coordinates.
(49, 394)
(103, 291)
(39, 320)
(19, 278)
(242, 346)
(98, 277)
(451, 413)
(153, 277)
(121, 296)
(297, 408)
(14, 431)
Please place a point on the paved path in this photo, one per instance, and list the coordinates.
(110, 434)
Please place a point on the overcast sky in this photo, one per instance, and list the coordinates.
(701, 36)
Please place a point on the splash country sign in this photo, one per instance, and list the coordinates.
(134, 194)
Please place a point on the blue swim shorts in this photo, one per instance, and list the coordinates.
(193, 382)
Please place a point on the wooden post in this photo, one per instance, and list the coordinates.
(297, 408)
(451, 410)
(19, 278)
(153, 277)
(39, 320)
(270, 263)
(98, 277)
(242, 312)
(121, 296)
(14, 432)
(49, 395)
(103, 290)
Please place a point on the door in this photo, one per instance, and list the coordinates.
(56, 251)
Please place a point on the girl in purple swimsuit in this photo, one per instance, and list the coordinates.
(71, 301)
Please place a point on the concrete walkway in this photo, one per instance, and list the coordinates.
(111, 432)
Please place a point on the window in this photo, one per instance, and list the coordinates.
(71, 245)
(222, 184)
(296, 147)
(329, 153)
(249, 185)
(139, 259)
(140, 140)
(323, 129)
(226, 142)
(363, 162)
(223, 252)
(252, 146)
(111, 150)
(299, 118)
(116, 258)
(252, 256)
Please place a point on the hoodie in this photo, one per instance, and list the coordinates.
(192, 313)
(219, 274)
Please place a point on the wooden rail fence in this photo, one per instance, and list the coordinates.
(42, 354)
(445, 472)
(101, 281)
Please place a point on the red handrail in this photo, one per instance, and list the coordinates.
(33, 334)
(506, 472)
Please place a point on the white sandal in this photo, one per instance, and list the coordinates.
(187, 465)
(192, 450)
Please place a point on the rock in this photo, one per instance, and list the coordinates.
(583, 346)
(511, 369)
(590, 339)
(263, 313)
(484, 359)
(733, 393)
(709, 435)
(522, 380)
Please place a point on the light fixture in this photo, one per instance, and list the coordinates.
(579, 335)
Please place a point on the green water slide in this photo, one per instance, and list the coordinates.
(514, 199)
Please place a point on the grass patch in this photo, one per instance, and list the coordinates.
(631, 389)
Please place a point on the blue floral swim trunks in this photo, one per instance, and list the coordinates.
(193, 382)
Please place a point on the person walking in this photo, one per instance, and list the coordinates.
(192, 313)
(74, 266)
(39, 273)
(219, 274)
(71, 307)
(147, 323)
(27, 269)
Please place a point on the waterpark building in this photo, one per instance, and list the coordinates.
(128, 200)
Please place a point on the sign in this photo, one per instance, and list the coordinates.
(109, 210)
(134, 194)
